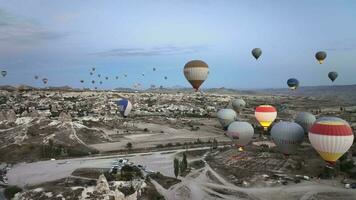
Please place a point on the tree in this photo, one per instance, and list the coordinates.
(176, 167)
(129, 146)
(184, 163)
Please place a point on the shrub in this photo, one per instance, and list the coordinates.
(11, 191)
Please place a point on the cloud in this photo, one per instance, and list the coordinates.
(343, 45)
(163, 50)
(15, 30)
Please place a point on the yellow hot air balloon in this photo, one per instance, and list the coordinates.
(265, 115)
(331, 137)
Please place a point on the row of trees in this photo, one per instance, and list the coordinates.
(180, 166)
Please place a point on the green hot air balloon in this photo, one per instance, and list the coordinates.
(305, 120)
(287, 136)
(333, 75)
(3, 73)
(256, 52)
(241, 133)
(238, 104)
(320, 56)
(226, 117)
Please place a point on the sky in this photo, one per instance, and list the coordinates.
(63, 40)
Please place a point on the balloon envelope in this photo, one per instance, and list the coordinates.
(333, 75)
(293, 83)
(226, 116)
(240, 132)
(265, 115)
(305, 120)
(3, 73)
(331, 137)
(196, 72)
(287, 136)
(125, 107)
(256, 52)
(320, 56)
(45, 80)
(238, 104)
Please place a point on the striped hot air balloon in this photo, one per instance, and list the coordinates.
(125, 107)
(196, 72)
(331, 137)
(265, 115)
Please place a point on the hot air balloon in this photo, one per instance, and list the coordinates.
(226, 116)
(125, 75)
(92, 81)
(100, 82)
(91, 73)
(320, 56)
(125, 107)
(241, 133)
(106, 78)
(332, 75)
(238, 104)
(95, 87)
(256, 52)
(116, 77)
(45, 81)
(3, 73)
(265, 115)
(36, 77)
(82, 81)
(331, 137)
(287, 136)
(154, 69)
(165, 78)
(293, 83)
(93, 68)
(143, 74)
(99, 75)
(305, 120)
(196, 72)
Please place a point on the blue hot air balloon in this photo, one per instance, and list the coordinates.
(293, 83)
(125, 107)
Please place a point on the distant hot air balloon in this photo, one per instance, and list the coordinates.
(116, 77)
(91, 73)
(45, 80)
(82, 81)
(125, 107)
(106, 78)
(320, 56)
(125, 75)
(93, 68)
(331, 137)
(36, 77)
(265, 115)
(238, 104)
(100, 82)
(143, 74)
(95, 87)
(226, 116)
(287, 136)
(154, 69)
(92, 81)
(256, 52)
(332, 75)
(165, 78)
(3, 73)
(305, 120)
(99, 75)
(293, 83)
(196, 72)
(241, 133)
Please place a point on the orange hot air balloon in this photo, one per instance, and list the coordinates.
(331, 137)
(265, 115)
(196, 72)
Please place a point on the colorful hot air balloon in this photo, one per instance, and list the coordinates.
(256, 52)
(305, 120)
(287, 136)
(241, 133)
(320, 56)
(196, 72)
(238, 104)
(3, 73)
(265, 115)
(45, 81)
(125, 107)
(226, 116)
(293, 83)
(332, 75)
(331, 137)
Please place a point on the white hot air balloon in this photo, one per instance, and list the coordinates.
(241, 133)
(305, 119)
(238, 104)
(226, 116)
(287, 136)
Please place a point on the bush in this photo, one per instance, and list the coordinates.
(169, 145)
(159, 146)
(11, 191)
